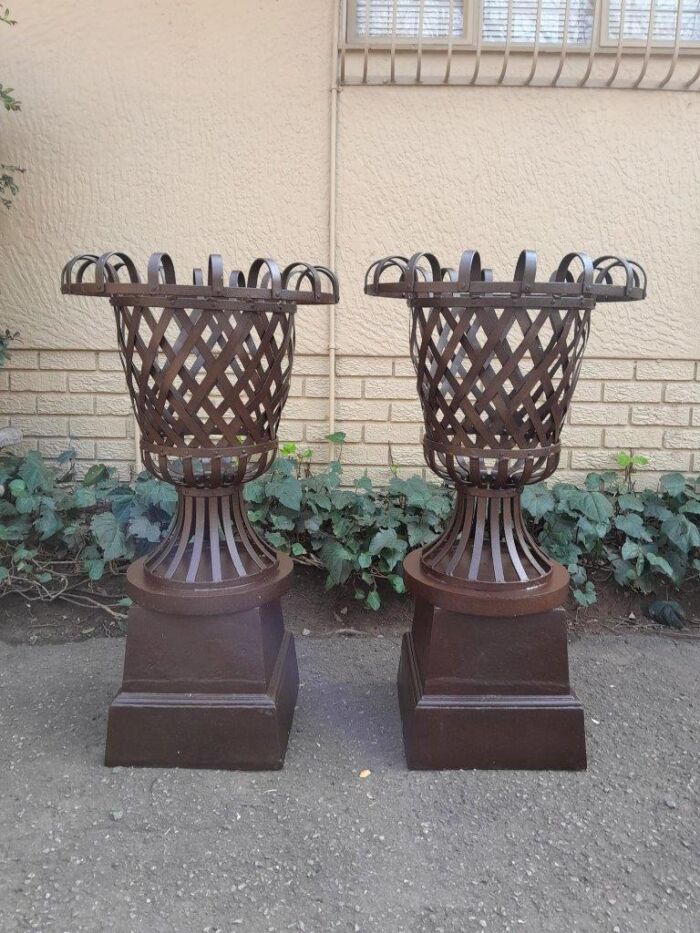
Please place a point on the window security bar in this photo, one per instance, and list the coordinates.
(646, 44)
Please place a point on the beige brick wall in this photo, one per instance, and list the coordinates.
(79, 399)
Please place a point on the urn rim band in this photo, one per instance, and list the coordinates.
(578, 282)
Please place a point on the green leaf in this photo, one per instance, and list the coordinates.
(336, 559)
(25, 505)
(67, 455)
(35, 473)
(397, 583)
(275, 538)
(85, 497)
(289, 492)
(364, 560)
(386, 538)
(109, 535)
(585, 596)
(373, 601)
(537, 501)
(667, 612)
(96, 473)
(126, 601)
(659, 563)
(629, 502)
(95, 569)
(338, 437)
(672, 483)
(681, 532)
(4, 573)
(48, 524)
(298, 549)
(596, 506)
(141, 527)
(632, 526)
(17, 488)
(630, 550)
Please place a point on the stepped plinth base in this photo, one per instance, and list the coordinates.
(479, 691)
(212, 691)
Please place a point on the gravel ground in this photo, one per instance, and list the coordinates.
(317, 848)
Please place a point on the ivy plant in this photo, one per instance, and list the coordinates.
(646, 540)
(60, 535)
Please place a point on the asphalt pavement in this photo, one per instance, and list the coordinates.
(316, 847)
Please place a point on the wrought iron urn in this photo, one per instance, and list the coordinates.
(497, 364)
(208, 367)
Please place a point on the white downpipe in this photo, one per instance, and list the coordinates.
(332, 211)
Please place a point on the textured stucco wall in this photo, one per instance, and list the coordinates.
(190, 127)
(200, 127)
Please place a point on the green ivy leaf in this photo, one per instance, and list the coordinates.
(384, 539)
(659, 563)
(585, 596)
(630, 550)
(109, 535)
(298, 549)
(48, 524)
(373, 601)
(596, 506)
(397, 583)
(17, 488)
(141, 527)
(35, 473)
(667, 612)
(338, 437)
(632, 526)
(672, 483)
(85, 497)
(629, 502)
(95, 569)
(96, 473)
(336, 559)
(681, 532)
(289, 491)
(537, 501)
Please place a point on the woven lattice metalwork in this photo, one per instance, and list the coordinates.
(208, 367)
(497, 364)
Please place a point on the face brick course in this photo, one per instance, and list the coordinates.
(78, 398)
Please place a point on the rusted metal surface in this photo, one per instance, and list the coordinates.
(208, 366)
(496, 364)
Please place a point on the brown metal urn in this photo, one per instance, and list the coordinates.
(484, 676)
(210, 674)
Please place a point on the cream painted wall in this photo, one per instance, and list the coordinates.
(190, 127)
(206, 127)
(502, 169)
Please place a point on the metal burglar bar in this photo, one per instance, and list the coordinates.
(646, 44)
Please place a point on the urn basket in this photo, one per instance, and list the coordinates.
(496, 364)
(208, 368)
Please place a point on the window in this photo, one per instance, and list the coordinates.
(523, 21)
(409, 19)
(669, 16)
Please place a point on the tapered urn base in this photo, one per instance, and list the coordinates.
(478, 691)
(213, 691)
